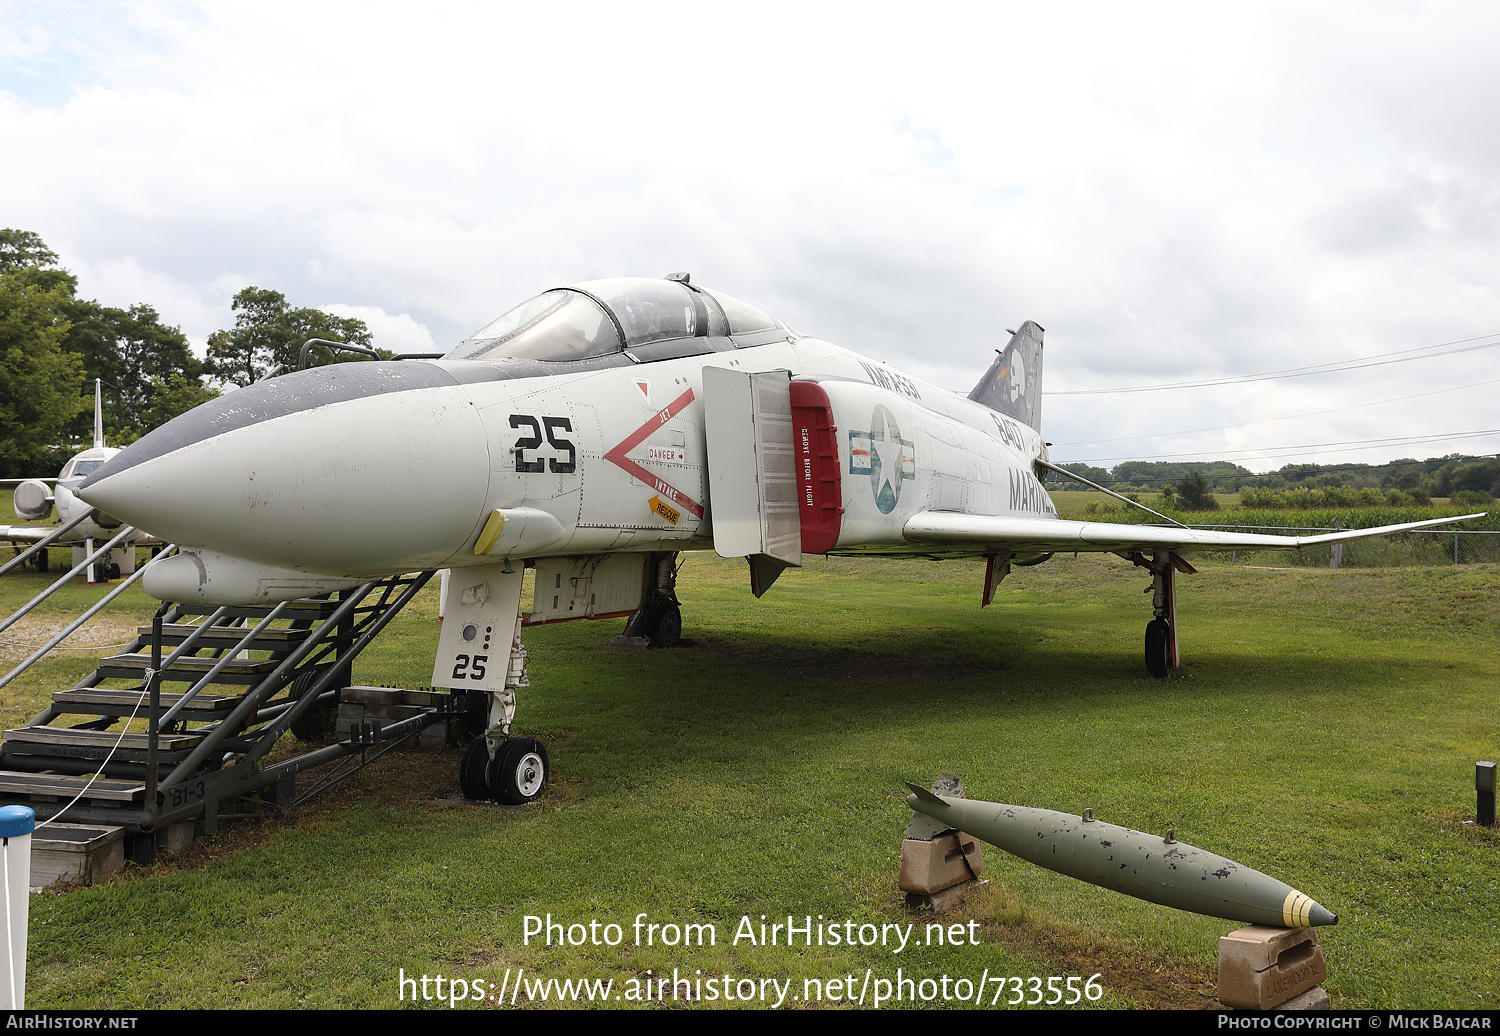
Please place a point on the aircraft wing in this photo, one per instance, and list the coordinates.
(24, 533)
(996, 534)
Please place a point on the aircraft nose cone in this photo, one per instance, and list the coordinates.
(350, 468)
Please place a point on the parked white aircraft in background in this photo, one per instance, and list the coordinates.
(34, 499)
(593, 433)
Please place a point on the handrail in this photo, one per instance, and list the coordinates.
(325, 681)
(85, 563)
(274, 681)
(223, 661)
(302, 356)
(85, 617)
(42, 543)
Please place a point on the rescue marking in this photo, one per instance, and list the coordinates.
(657, 506)
(617, 456)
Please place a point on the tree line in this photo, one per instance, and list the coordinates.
(1455, 476)
(53, 345)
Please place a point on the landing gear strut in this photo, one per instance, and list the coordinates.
(659, 617)
(1162, 658)
(480, 656)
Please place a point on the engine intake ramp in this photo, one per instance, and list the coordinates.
(176, 726)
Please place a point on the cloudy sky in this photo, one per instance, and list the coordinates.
(1178, 193)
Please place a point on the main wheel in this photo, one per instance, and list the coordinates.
(472, 770)
(518, 773)
(1158, 648)
(664, 624)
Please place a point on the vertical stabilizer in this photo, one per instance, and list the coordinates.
(1013, 384)
(98, 414)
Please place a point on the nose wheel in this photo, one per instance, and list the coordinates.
(518, 772)
(515, 774)
(472, 780)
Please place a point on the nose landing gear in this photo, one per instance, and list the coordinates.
(480, 614)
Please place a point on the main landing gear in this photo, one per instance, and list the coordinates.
(659, 617)
(1162, 658)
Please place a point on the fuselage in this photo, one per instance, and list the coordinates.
(365, 469)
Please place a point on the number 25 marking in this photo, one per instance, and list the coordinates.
(534, 441)
(461, 662)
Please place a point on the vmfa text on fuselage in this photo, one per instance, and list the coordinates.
(594, 432)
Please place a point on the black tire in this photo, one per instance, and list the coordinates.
(518, 773)
(664, 624)
(1158, 648)
(41, 560)
(472, 769)
(320, 722)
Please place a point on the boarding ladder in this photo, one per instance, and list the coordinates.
(177, 727)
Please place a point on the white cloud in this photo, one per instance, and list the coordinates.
(1174, 192)
(396, 332)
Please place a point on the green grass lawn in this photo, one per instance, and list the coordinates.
(1324, 730)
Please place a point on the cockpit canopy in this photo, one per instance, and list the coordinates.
(620, 314)
(87, 461)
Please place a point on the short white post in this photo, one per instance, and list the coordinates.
(16, 825)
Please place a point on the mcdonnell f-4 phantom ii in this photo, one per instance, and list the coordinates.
(593, 433)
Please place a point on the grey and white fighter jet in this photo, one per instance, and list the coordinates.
(593, 433)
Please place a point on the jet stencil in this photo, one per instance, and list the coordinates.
(537, 442)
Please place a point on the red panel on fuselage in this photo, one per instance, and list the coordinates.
(820, 494)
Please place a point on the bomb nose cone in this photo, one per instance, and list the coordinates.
(355, 468)
(1299, 911)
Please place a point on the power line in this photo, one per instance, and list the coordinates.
(1377, 360)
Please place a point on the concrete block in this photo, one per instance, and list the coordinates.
(946, 899)
(177, 837)
(1314, 999)
(931, 866)
(83, 853)
(1264, 967)
(371, 695)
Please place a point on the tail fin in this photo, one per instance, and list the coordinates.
(98, 414)
(1013, 384)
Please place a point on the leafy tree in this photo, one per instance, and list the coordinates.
(269, 333)
(148, 364)
(25, 251)
(1193, 493)
(39, 380)
(136, 355)
(169, 397)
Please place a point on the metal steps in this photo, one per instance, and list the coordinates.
(101, 701)
(205, 702)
